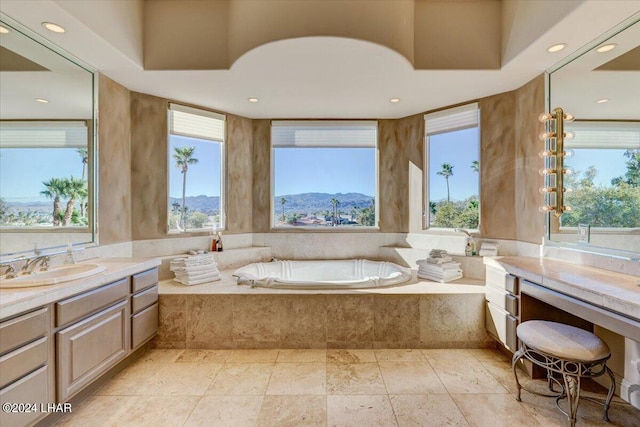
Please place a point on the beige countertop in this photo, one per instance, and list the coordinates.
(617, 292)
(17, 300)
(415, 286)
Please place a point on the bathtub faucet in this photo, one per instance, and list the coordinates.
(274, 259)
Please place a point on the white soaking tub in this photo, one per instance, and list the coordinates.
(325, 274)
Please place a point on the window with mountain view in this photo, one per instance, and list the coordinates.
(324, 174)
(452, 168)
(44, 174)
(196, 152)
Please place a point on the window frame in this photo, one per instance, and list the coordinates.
(222, 224)
(444, 127)
(337, 228)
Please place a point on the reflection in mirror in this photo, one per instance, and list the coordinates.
(602, 89)
(46, 145)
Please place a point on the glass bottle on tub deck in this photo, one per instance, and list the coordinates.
(468, 250)
(219, 242)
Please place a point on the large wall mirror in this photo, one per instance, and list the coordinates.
(600, 86)
(47, 144)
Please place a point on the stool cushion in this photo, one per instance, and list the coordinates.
(562, 341)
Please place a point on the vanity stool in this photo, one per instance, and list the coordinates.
(566, 350)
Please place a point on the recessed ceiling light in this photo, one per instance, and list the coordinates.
(602, 101)
(252, 99)
(3, 30)
(556, 47)
(394, 100)
(53, 27)
(606, 47)
(42, 100)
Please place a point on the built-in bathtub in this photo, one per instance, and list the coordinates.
(325, 274)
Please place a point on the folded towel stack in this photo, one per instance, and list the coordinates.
(439, 267)
(196, 269)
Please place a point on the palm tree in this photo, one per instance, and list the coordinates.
(282, 202)
(446, 172)
(84, 155)
(184, 157)
(74, 189)
(475, 166)
(334, 203)
(55, 188)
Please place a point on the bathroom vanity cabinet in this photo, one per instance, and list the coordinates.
(502, 305)
(50, 354)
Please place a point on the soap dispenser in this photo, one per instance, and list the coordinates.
(468, 251)
(69, 258)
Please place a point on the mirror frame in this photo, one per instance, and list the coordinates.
(92, 143)
(598, 250)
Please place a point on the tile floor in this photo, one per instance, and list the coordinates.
(326, 388)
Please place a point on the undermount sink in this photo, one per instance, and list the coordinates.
(64, 273)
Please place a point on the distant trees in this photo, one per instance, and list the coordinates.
(334, 206)
(54, 189)
(70, 188)
(282, 202)
(448, 214)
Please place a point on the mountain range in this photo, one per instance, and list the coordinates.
(301, 203)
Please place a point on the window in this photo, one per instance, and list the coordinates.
(196, 173)
(605, 185)
(452, 168)
(44, 174)
(324, 173)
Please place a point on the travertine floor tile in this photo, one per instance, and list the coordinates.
(359, 411)
(427, 410)
(227, 411)
(241, 379)
(252, 356)
(411, 378)
(400, 355)
(293, 411)
(160, 356)
(495, 410)
(462, 373)
(132, 410)
(351, 356)
(298, 378)
(354, 378)
(202, 356)
(303, 355)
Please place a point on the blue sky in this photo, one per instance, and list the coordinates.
(325, 170)
(459, 149)
(203, 178)
(22, 171)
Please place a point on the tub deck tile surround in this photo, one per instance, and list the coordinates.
(224, 315)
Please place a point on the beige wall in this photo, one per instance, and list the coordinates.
(529, 105)
(114, 157)
(509, 164)
(261, 175)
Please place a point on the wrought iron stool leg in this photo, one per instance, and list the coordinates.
(514, 364)
(612, 388)
(572, 389)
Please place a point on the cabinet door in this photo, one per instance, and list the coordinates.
(144, 326)
(90, 347)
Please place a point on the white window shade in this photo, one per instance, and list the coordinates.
(196, 123)
(339, 134)
(452, 119)
(621, 135)
(43, 134)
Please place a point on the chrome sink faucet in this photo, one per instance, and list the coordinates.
(10, 272)
(30, 265)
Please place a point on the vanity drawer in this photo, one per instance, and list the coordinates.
(501, 325)
(144, 299)
(144, 325)
(144, 280)
(23, 329)
(502, 299)
(23, 360)
(82, 305)
(501, 279)
(32, 389)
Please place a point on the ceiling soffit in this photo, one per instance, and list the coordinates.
(213, 34)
